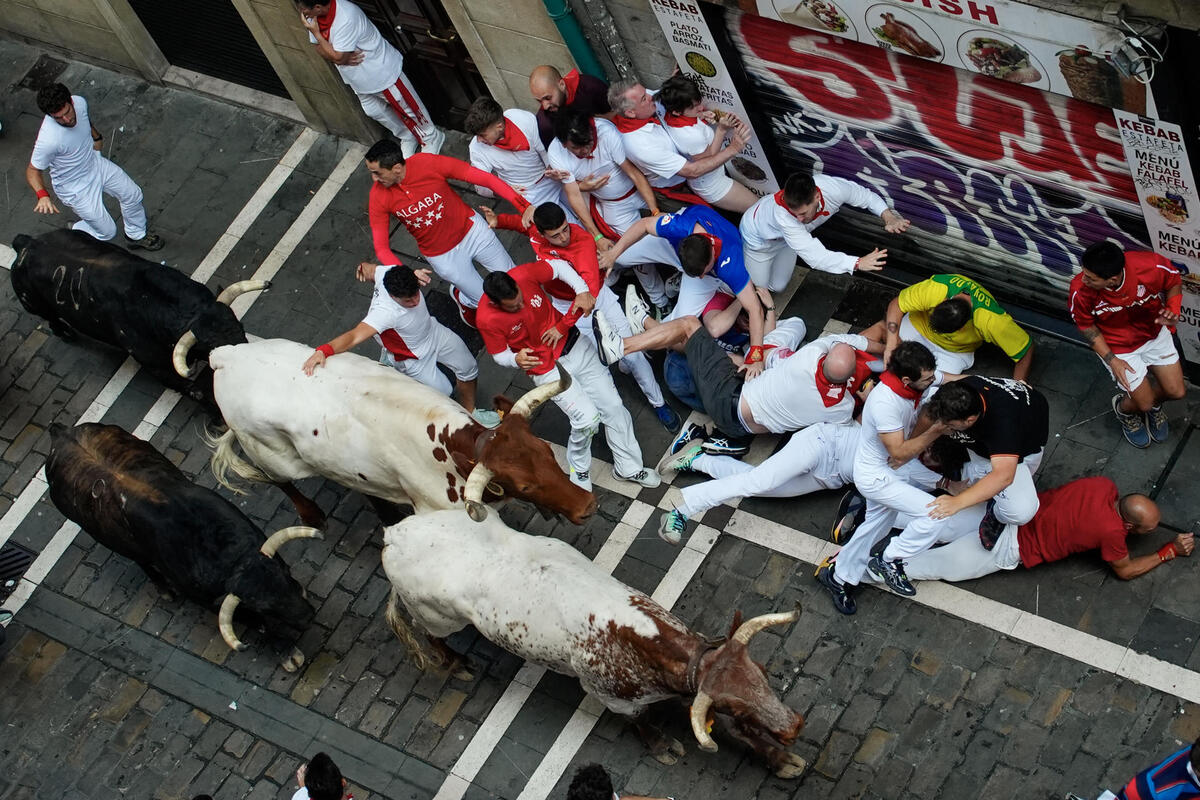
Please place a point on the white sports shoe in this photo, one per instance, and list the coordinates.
(434, 141)
(612, 346)
(646, 477)
(636, 310)
(582, 479)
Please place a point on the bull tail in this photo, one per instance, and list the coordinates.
(225, 458)
(404, 631)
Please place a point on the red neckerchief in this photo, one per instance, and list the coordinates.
(325, 22)
(821, 201)
(571, 82)
(896, 385)
(513, 139)
(716, 246)
(625, 124)
(681, 120)
(820, 198)
(831, 393)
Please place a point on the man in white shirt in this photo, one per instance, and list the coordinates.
(650, 148)
(373, 69)
(779, 227)
(69, 146)
(412, 341)
(506, 144)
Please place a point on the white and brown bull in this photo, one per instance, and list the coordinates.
(544, 601)
(373, 430)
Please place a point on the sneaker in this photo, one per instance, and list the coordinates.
(636, 310)
(671, 287)
(1132, 425)
(671, 526)
(990, 528)
(582, 479)
(486, 417)
(891, 573)
(151, 241)
(1156, 422)
(692, 433)
(434, 141)
(645, 477)
(610, 344)
(842, 600)
(465, 312)
(850, 514)
(6, 615)
(669, 419)
(681, 461)
(727, 446)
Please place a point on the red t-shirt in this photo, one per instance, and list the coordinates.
(503, 330)
(580, 253)
(1126, 315)
(428, 206)
(1074, 518)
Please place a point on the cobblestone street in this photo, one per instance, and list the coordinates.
(1027, 684)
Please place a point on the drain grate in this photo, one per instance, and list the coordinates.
(43, 73)
(14, 560)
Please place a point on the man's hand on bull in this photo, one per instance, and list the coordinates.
(894, 223)
(489, 216)
(317, 359)
(550, 337)
(526, 359)
(584, 303)
(45, 206)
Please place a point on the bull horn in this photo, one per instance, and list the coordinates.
(225, 622)
(180, 355)
(279, 537)
(232, 291)
(540, 394)
(699, 716)
(750, 627)
(472, 494)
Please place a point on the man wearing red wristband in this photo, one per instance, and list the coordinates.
(1126, 305)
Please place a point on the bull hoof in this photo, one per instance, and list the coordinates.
(294, 661)
(793, 767)
(461, 672)
(677, 747)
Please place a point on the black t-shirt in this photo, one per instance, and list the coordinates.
(591, 98)
(1015, 419)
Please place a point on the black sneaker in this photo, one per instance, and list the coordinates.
(151, 241)
(850, 514)
(891, 573)
(842, 600)
(692, 433)
(990, 528)
(727, 446)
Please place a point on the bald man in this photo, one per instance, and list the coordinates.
(1083, 515)
(555, 92)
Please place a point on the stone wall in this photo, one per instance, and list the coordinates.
(103, 31)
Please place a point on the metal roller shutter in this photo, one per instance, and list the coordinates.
(1002, 181)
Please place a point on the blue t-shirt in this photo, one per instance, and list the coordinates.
(1170, 779)
(730, 268)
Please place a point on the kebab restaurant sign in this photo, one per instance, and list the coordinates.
(999, 38)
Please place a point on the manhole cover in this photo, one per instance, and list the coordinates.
(43, 73)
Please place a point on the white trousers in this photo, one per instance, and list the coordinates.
(947, 360)
(450, 350)
(807, 463)
(694, 294)
(379, 109)
(636, 364)
(456, 265)
(961, 556)
(591, 399)
(771, 265)
(1018, 502)
(88, 202)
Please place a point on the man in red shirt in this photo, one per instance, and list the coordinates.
(522, 328)
(553, 236)
(1127, 304)
(450, 235)
(1085, 514)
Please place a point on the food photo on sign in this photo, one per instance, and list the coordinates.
(900, 29)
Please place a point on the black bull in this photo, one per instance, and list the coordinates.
(189, 540)
(84, 286)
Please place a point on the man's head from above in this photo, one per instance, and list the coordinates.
(323, 779)
(630, 99)
(697, 254)
(945, 456)
(1139, 513)
(839, 364)
(400, 282)
(54, 100)
(551, 222)
(548, 88)
(955, 404)
(502, 290)
(681, 95)
(951, 314)
(385, 162)
(801, 197)
(591, 782)
(1103, 266)
(577, 132)
(485, 120)
(913, 364)
(313, 8)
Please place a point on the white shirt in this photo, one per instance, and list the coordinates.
(767, 221)
(691, 141)
(381, 64)
(67, 152)
(884, 412)
(414, 325)
(519, 169)
(650, 149)
(606, 159)
(785, 398)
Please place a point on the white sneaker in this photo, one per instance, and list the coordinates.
(582, 479)
(409, 146)
(671, 287)
(612, 346)
(636, 310)
(645, 477)
(434, 141)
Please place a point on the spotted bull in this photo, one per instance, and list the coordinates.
(544, 601)
(156, 314)
(189, 540)
(373, 430)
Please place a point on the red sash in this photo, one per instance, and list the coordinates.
(594, 206)
(325, 22)
(896, 385)
(513, 139)
(681, 194)
(406, 115)
(396, 345)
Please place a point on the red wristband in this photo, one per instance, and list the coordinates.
(43, 193)
(755, 355)
(1175, 304)
(1167, 552)
(327, 349)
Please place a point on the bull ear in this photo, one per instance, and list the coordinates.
(462, 463)
(733, 626)
(502, 404)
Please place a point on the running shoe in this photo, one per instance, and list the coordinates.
(990, 528)
(671, 526)
(636, 310)
(891, 573)
(465, 312)
(149, 242)
(582, 479)
(1132, 425)
(669, 419)
(645, 477)
(727, 446)
(852, 510)
(692, 433)
(1156, 422)
(681, 461)
(842, 600)
(611, 345)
